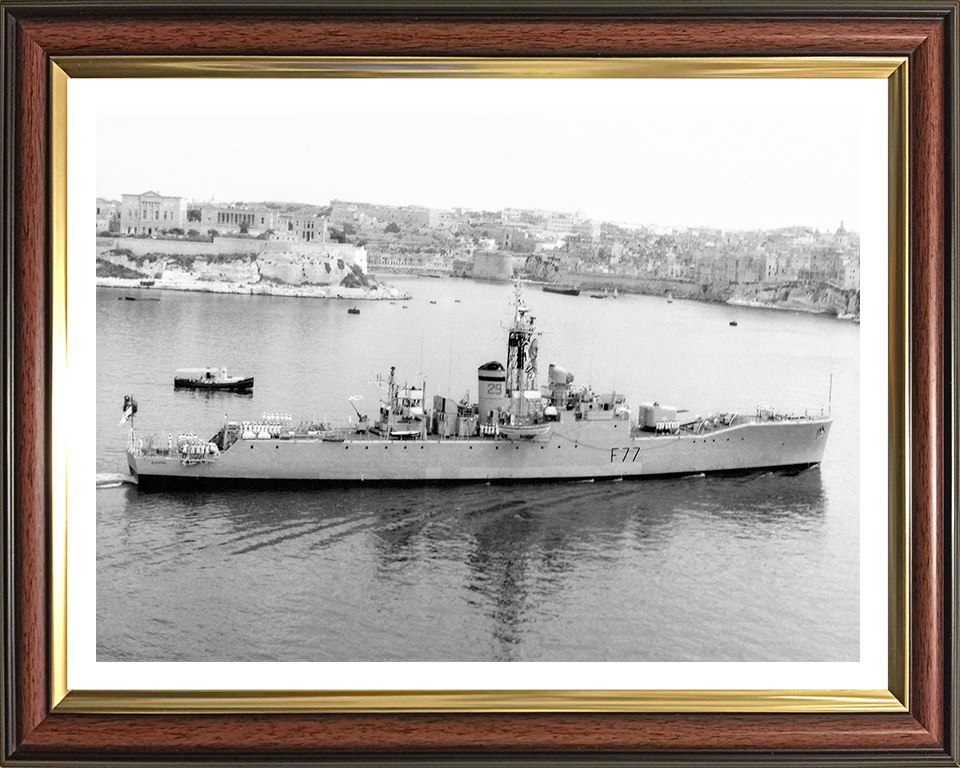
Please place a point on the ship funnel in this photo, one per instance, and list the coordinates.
(492, 390)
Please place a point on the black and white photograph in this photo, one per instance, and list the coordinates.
(483, 371)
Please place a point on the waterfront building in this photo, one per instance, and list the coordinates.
(150, 213)
(771, 267)
(850, 275)
(413, 262)
(780, 268)
(303, 229)
(734, 268)
(108, 216)
(825, 265)
(236, 218)
(677, 270)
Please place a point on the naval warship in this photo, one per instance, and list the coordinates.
(517, 430)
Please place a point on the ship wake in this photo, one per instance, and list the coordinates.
(113, 480)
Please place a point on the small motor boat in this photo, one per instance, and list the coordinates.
(211, 378)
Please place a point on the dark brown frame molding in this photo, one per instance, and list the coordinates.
(925, 32)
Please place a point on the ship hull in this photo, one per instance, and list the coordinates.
(583, 450)
(563, 291)
(239, 385)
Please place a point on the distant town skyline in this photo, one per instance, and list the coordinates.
(229, 201)
(735, 155)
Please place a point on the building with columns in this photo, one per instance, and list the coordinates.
(236, 218)
(150, 213)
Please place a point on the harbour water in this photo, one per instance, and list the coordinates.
(762, 567)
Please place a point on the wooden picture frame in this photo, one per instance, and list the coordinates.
(40, 727)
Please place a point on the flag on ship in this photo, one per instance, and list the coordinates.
(129, 408)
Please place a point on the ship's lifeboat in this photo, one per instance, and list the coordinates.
(525, 431)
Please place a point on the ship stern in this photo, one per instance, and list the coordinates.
(132, 465)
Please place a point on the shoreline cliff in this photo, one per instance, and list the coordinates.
(815, 297)
(319, 272)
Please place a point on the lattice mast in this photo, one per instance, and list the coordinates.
(522, 349)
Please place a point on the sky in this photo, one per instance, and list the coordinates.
(734, 154)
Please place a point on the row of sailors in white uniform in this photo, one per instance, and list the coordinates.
(187, 446)
(191, 447)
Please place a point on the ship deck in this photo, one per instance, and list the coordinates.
(582, 449)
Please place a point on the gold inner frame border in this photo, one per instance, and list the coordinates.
(893, 699)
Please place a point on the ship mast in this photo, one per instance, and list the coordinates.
(393, 400)
(521, 348)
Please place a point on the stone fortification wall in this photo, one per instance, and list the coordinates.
(236, 260)
(239, 269)
(305, 266)
(234, 271)
(494, 265)
(681, 289)
(141, 246)
(803, 296)
(332, 252)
